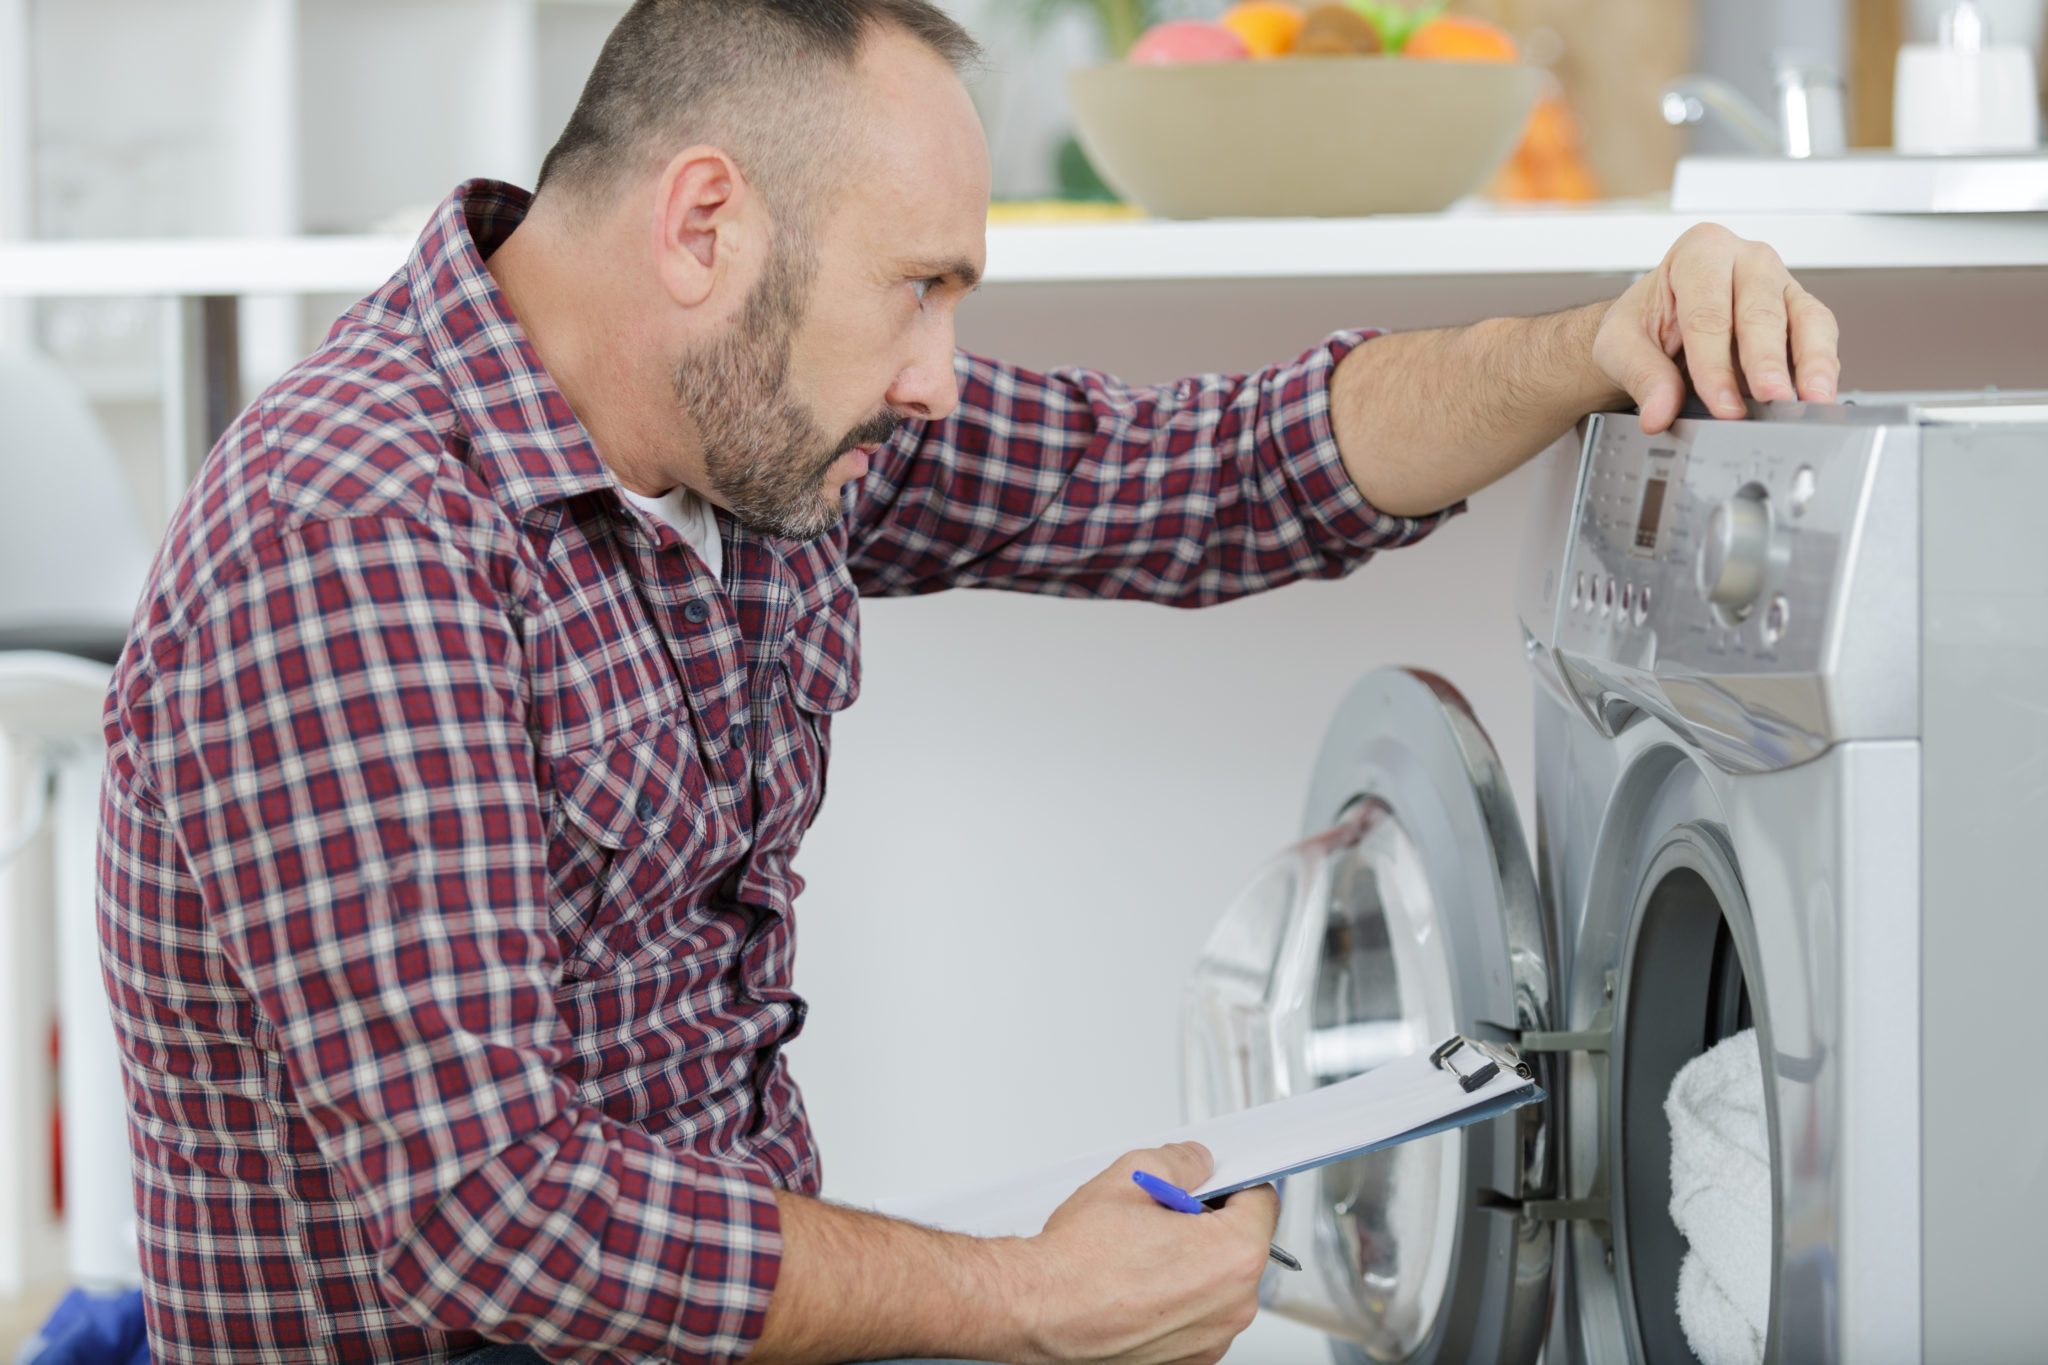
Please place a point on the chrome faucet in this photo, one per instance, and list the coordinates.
(1809, 122)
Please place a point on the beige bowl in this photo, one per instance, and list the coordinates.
(1329, 137)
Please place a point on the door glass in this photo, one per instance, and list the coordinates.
(1330, 965)
(1383, 991)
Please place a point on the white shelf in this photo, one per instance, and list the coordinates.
(199, 265)
(1556, 242)
(1584, 243)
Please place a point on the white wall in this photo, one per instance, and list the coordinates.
(1037, 811)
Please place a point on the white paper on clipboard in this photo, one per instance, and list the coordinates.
(1390, 1104)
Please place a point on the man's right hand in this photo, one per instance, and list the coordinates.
(1116, 1277)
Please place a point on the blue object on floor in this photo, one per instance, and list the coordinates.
(91, 1329)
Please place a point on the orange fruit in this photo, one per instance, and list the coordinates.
(1571, 181)
(1548, 166)
(1553, 129)
(1459, 38)
(1517, 183)
(1268, 27)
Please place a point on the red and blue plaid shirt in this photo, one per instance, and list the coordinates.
(445, 886)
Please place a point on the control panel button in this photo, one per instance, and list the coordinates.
(1804, 484)
(1736, 553)
(1643, 605)
(1777, 617)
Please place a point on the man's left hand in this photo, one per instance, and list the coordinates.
(1735, 314)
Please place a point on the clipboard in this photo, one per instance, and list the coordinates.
(1462, 1081)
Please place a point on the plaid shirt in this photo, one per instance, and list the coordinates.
(445, 886)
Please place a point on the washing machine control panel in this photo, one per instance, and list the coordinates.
(1715, 546)
(1705, 568)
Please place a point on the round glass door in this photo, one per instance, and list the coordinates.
(1269, 1018)
(1407, 918)
(1383, 991)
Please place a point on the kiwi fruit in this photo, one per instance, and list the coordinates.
(1336, 31)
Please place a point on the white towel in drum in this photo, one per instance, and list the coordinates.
(1721, 1201)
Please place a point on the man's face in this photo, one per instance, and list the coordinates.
(845, 336)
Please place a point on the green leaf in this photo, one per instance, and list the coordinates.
(1397, 22)
(1119, 21)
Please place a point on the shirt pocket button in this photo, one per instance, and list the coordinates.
(644, 807)
(696, 612)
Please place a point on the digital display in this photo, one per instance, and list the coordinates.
(1653, 510)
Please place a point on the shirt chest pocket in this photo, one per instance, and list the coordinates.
(629, 837)
(823, 661)
(820, 677)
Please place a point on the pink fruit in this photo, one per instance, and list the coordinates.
(1188, 40)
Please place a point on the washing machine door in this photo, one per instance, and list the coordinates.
(1407, 914)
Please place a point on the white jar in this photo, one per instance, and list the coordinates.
(1965, 93)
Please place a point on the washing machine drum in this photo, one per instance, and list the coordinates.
(1408, 914)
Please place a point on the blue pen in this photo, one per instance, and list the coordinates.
(1180, 1201)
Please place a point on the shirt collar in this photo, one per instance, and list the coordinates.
(524, 438)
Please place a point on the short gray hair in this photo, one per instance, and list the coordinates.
(756, 78)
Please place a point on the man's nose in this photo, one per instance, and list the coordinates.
(927, 388)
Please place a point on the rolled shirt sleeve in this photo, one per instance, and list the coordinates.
(337, 742)
(1074, 483)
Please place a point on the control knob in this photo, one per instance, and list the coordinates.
(1735, 557)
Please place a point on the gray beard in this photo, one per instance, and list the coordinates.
(765, 455)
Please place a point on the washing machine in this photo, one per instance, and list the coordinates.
(1790, 677)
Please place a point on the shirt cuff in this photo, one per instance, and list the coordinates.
(733, 1260)
(1327, 495)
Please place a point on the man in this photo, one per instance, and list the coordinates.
(483, 689)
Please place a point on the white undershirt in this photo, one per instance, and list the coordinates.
(693, 519)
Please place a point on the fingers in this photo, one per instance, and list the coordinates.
(1763, 329)
(1186, 1164)
(1741, 316)
(1654, 382)
(1816, 360)
(1259, 1207)
(1702, 271)
(1116, 1278)
(1629, 351)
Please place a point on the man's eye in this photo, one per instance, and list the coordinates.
(923, 287)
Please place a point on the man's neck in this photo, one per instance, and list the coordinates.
(566, 290)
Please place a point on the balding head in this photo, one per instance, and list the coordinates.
(768, 81)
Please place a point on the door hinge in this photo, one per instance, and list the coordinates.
(1590, 1209)
(1581, 1040)
(1568, 1210)
(1595, 1207)
(1599, 1037)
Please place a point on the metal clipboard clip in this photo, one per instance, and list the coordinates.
(1477, 1071)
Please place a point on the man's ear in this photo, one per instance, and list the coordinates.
(703, 212)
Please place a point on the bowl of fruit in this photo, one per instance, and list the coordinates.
(1279, 110)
